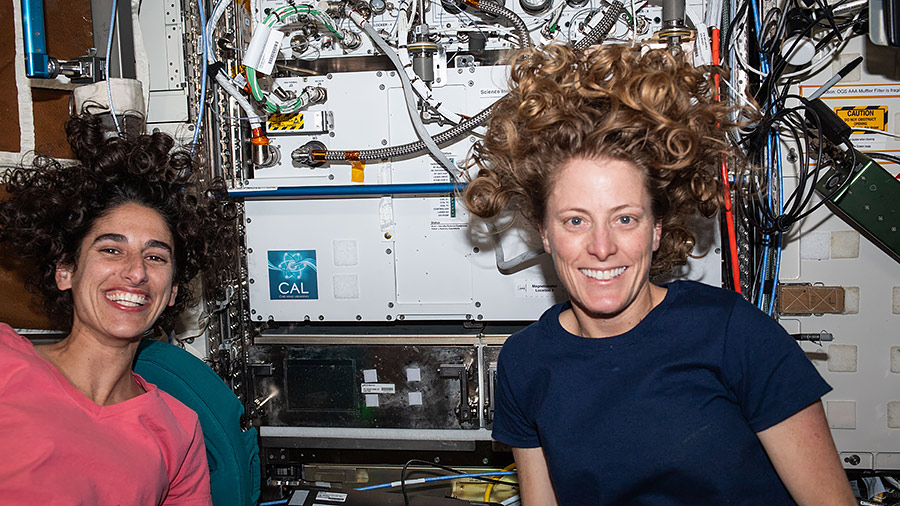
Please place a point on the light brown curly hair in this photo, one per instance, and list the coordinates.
(654, 110)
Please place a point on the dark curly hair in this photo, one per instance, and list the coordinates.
(52, 207)
(613, 102)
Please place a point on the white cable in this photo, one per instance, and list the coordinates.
(423, 91)
(419, 127)
(214, 16)
(142, 65)
(876, 131)
(811, 69)
(112, 27)
(255, 119)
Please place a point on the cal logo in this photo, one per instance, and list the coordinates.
(293, 275)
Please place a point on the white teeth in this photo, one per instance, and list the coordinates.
(603, 275)
(127, 299)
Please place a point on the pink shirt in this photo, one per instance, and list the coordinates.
(57, 447)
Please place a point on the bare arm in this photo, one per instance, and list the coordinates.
(804, 455)
(535, 487)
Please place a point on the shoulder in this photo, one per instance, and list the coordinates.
(535, 335)
(9, 338)
(687, 292)
(13, 349)
(169, 407)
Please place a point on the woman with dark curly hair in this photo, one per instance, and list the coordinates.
(633, 392)
(115, 241)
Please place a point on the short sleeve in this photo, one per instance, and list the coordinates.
(190, 487)
(512, 426)
(766, 370)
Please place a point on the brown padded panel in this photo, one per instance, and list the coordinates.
(69, 35)
(18, 307)
(9, 100)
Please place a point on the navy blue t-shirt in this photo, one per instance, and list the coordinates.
(666, 413)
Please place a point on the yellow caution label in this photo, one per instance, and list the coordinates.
(874, 117)
(285, 122)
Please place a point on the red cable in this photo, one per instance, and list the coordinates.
(729, 216)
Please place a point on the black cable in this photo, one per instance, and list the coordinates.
(885, 156)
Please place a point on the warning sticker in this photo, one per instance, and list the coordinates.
(873, 117)
(285, 122)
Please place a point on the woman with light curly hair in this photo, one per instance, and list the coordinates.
(115, 242)
(634, 392)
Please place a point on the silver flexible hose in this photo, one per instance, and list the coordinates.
(414, 147)
(602, 29)
(489, 7)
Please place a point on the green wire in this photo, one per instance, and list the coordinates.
(278, 14)
(290, 11)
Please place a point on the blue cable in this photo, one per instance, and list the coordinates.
(112, 28)
(435, 478)
(273, 503)
(202, 79)
(209, 31)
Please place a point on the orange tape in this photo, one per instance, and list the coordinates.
(358, 172)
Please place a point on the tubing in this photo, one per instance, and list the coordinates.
(489, 7)
(602, 29)
(412, 147)
(407, 94)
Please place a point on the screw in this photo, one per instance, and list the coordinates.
(390, 304)
(252, 281)
(388, 251)
(389, 317)
(384, 142)
(477, 304)
(249, 220)
(381, 87)
(321, 317)
(475, 250)
(359, 317)
(249, 250)
(387, 235)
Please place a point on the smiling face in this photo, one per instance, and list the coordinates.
(600, 230)
(124, 275)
